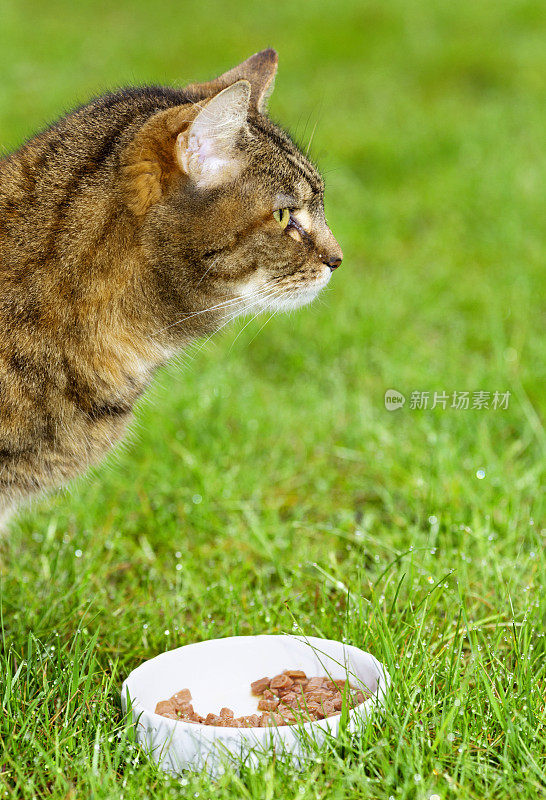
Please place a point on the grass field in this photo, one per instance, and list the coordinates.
(265, 487)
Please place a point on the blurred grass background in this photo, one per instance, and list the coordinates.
(265, 485)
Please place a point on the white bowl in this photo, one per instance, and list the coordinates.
(218, 673)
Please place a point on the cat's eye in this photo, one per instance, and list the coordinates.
(282, 215)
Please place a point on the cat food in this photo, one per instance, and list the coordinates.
(285, 699)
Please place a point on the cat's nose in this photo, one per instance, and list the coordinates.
(333, 262)
(330, 253)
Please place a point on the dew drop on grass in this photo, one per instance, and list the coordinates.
(417, 778)
(480, 474)
(78, 553)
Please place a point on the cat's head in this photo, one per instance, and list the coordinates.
(232, 211)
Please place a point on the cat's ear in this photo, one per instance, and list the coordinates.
(207, 151)
(259, 70)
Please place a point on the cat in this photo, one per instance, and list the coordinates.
(130, 227)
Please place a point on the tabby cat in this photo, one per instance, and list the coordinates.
(133, 225)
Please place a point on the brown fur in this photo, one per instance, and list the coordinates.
(111, 256)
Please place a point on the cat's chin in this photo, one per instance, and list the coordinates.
(296, 299)
(301, 295)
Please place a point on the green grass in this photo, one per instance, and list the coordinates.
(265, 484)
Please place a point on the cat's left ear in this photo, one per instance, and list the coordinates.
(259, 70)
(207, 151)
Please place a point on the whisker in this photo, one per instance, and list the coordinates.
(260, 299)
(314, 127)
(223, 304)
(203, 311)
(311, 138)
(260, 329)
(242, 329)
(228, 318)
(208, 269)
(270, 298)
(256, 297)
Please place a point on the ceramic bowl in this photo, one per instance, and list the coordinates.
(218, 672)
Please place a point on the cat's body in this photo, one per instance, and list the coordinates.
(132, 226)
